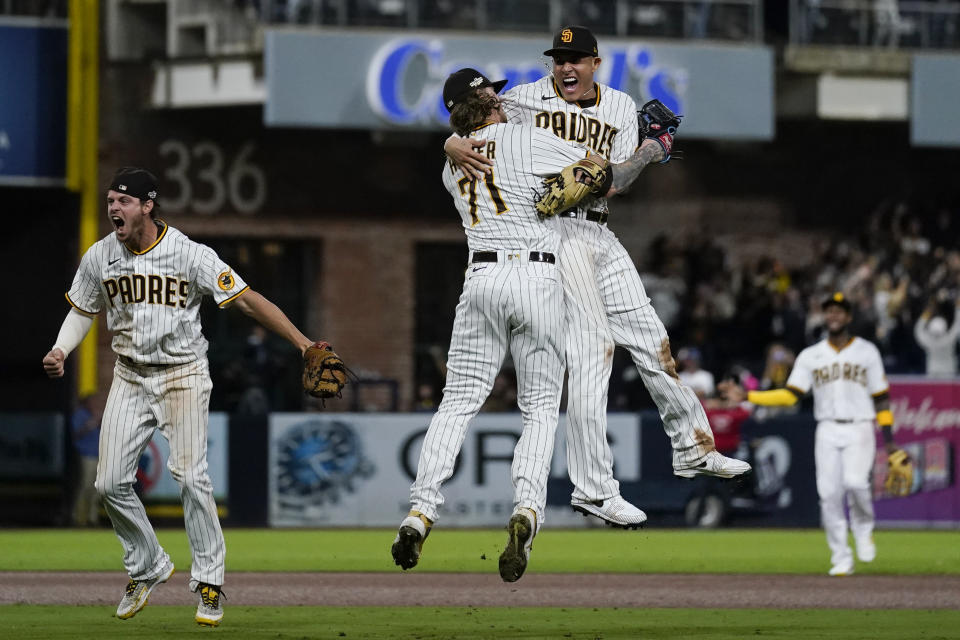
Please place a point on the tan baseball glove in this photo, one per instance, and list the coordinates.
(899, 474)
(324, 373)
(574, 183)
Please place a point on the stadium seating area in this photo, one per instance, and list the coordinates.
(756, 316)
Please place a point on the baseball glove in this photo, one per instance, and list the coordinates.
(899, 474)
(574, 183)
(659, 123)
(324, 373)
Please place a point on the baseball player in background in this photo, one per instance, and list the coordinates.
(606, 304)
(512, 300)
(850, 391)
(150, 280)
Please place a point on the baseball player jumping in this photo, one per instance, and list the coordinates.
(606, 304)
(850, 391)
(512, 300)
(150, 279)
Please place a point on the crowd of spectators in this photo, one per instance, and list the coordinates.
(749, 320)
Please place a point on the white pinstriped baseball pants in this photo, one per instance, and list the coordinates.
(844, 454)
(176, 401)
(607, 306)
(515, 305)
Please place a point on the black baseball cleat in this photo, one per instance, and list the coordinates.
(409, 541)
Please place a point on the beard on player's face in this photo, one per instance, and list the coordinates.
(836, 320)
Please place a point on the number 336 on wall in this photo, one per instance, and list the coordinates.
(204, 182)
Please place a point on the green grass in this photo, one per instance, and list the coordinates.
(453, 550)
(430, 623)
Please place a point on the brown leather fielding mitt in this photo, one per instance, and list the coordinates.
(324, 373)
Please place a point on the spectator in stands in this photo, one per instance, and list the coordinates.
(938, 339)
(85, 429)
(700, 380)
(888, 22)
(777, 369)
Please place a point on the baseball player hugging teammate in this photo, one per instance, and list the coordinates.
(850, 391)
(150, 278)
(512, 300)
(605, 301)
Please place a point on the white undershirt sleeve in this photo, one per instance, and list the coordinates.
(74, 328)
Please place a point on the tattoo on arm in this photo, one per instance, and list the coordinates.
(626, 172)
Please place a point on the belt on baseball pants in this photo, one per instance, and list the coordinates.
(600, 217)
(535, 256)
(130, 363)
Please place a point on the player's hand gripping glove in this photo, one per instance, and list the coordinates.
(659, 123)
(899, 474)
(324, 373)
(574, 183)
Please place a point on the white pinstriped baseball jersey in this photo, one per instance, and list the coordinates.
(605, 299)
(161, 381)
(844, 381)
(606, 128)
(512, 301)
(520, 154)
(603, 127)
(152, 298)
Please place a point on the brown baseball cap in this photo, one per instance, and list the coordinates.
(573, 39)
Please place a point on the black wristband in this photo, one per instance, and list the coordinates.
(604, 186)
(887, 432)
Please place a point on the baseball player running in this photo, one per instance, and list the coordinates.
(606, 304)
(850, 390)
(150, 279)
(512, 300)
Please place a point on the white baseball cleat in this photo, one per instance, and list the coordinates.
(714, 464)
(840, 570)
(138, 592)
(866, 549)
(615, 511)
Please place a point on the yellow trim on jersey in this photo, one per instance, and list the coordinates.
(485, 124)
(880, 393)
(163, 232)
(89, 314)
(556, 90)
(234, 297)
(772, 398)
(849, 342)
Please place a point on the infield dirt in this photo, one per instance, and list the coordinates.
(481, 590)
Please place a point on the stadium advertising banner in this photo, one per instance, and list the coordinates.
(33, 101)
(934, 96)
(927, 414)
(154, 481)
(395, 82)
(355, 469)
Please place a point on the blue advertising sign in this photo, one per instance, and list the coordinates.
(396, 82)
(33, 102)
